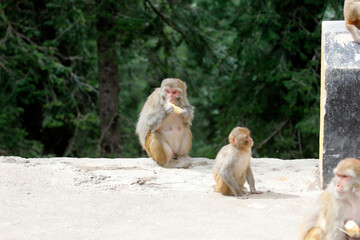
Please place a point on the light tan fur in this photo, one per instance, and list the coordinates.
(335, 207)
(165, 135)
(232, 165)
(352, 18)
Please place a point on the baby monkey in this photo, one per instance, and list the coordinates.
(232, 165)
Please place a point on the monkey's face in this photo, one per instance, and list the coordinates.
(244, 141)
(240, 138)
(172, 95)
(343, 184)
(346, 181)
(248, 140)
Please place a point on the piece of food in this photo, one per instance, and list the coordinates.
(177, 110)
(351, 228)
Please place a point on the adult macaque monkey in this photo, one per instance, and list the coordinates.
(232, 165)
(352, 18)
(164, 124)
(338, 205)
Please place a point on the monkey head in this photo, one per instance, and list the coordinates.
(173, 90)
(347, 177)
(240, 138)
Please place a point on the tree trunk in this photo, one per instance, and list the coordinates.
(110, 138)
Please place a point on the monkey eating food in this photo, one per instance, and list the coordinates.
(337, 206)
(164, 124)
(232, 165)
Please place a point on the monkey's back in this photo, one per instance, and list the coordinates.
(232, 157)
(219, 159)
(142, 128)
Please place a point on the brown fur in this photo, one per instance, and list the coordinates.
(155, 149)
(352, 18)
(221, 186)
(346, 164)
(315, 234)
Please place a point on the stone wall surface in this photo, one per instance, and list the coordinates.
(340, 97)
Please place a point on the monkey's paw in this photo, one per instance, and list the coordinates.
(256, 192)
(178, 163)
(168, 108)
(185, 112)
(177, 110)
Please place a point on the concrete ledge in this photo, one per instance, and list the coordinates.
(340, 97)
(112, 199)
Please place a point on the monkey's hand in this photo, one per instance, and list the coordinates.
(356, 237)
(240, 193)
(188, 113)
(177, 110)
(352, 229)
(256, 192)
(168, 108)
(242, 196)
(185, 112)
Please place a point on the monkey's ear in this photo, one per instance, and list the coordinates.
(232, 140)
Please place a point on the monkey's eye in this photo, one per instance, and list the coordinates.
(345, 177)
(167, 90)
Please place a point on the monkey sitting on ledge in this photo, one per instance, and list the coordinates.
(164, 124)
(338, 205)
(232, 165)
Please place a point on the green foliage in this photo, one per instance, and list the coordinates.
(43, 56)
(275, 86)
(249, 63)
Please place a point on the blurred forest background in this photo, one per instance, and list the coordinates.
(74, 74)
